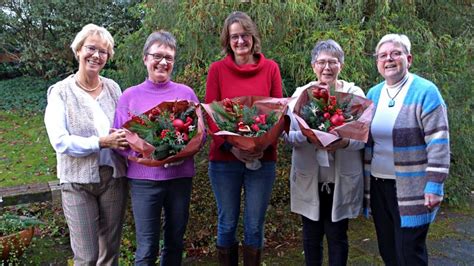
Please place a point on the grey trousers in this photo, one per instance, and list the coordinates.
(95, 214)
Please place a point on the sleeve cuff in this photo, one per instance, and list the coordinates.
(354, 145)
(434, 188)
(95, 143)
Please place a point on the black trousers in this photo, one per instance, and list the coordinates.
(397, 246)
(336, 234)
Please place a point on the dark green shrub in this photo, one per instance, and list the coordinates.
(9, 70)
(42, 31)
(10, 223)
(24, 95)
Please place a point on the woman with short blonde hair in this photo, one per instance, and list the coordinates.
(78, 119)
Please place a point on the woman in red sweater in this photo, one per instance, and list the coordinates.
(243, 72)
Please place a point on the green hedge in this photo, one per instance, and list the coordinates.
(441, 47)
(25, 94)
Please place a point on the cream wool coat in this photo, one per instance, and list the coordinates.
(348, 189)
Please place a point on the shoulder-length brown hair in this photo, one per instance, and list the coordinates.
(247, 24)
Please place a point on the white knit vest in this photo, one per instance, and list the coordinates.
(79, 121)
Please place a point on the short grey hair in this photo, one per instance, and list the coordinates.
(90, 30)
(327, 46)
(400, 39)
(161, 37)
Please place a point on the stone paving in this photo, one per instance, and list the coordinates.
(450, 239)
(457, 249)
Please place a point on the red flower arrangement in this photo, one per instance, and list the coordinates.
(327, 115)
(166, 133)
(250, 123)
(231, 115)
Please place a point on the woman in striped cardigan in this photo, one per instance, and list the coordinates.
(407, 155)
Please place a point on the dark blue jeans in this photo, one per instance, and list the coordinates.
(148, 199)
(227, 180)
(336, 233)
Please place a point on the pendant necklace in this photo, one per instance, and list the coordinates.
(391, 103)
(85, 87)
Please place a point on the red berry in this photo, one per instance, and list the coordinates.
(337, 120)
(255, 127)
(257, 119)
(316, 93)
(178, 124)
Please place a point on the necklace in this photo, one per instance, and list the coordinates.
(82, 86)
(391, 103)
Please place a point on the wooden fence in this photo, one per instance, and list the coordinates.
(30, 193)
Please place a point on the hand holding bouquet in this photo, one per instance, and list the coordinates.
(325, 116)
(169, 132)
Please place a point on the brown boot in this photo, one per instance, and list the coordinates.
(228, 256)
(252, 256)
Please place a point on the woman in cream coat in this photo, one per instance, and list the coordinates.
(326, 182)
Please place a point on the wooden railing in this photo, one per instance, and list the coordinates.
(30, 193)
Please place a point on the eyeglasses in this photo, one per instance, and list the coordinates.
(158, 57)
(323, 63)
(382, 57)
(245, 37)
(91, 49)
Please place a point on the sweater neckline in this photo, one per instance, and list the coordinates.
(247, 68)
(159, 86)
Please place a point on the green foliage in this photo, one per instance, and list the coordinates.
(24, 95)
(10, 224)
(244, 120)
(9, 70)
(42, 31)
(224, 120)
(50, 244)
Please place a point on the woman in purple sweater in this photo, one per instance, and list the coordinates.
(157, 188)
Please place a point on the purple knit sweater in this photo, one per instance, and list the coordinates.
(139, 99)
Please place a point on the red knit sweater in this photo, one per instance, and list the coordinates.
(228, 80)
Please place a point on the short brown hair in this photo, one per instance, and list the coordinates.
(249, 26)
(161, 37)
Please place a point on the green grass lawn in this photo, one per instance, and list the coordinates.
(26, 156)
(25, 153)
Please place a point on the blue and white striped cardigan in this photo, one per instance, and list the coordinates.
(420, 149)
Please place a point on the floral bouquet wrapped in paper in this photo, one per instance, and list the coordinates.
(326, 116)
(250, 123)
(169, 132)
